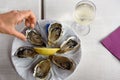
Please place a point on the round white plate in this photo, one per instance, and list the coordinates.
(25, 66)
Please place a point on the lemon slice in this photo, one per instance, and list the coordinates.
(46, 51)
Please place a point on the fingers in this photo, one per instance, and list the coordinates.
(27, 23)
(29, 17)
(19, 35)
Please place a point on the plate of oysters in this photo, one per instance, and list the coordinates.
(52, 51)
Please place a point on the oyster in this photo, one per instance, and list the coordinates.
(62, 62)
(70, 44)
(42, 70)
(35, 38)
(26, 52)
(54, 33)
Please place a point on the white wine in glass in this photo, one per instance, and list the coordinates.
(84, 14)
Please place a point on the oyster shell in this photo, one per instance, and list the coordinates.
(25, 52)
(35, 38)
(54, 33)
(42, 70)
(70, 44)
(62, 62)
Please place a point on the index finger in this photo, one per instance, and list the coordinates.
(28, 15)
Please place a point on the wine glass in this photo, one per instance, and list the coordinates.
(84, 14)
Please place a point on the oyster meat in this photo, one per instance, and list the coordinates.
(35, 38)
(42, 70)
(25, 52)
(70, 44)
(62, 62)
(54, 33)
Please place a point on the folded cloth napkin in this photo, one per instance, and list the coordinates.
(112, 43)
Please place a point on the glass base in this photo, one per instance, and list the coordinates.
(81, 30)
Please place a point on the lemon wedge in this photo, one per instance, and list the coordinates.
(46, 51)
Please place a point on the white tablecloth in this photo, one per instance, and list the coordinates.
(97, 63)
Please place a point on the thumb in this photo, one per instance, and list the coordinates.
(19, 35)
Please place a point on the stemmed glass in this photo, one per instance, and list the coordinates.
(84, 14)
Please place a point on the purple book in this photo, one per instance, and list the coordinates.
(112, 43)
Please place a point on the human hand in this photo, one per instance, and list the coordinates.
(9, 20)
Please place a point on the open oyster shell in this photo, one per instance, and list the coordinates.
(35, 38)
(25, 52)
(42, 70)
(55, 32)
(62, 62)
(70, 44)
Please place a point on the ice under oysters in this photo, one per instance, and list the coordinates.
(35, 38)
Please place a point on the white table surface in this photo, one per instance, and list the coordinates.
(97, 63)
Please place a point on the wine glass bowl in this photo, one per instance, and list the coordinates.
(84, 15)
